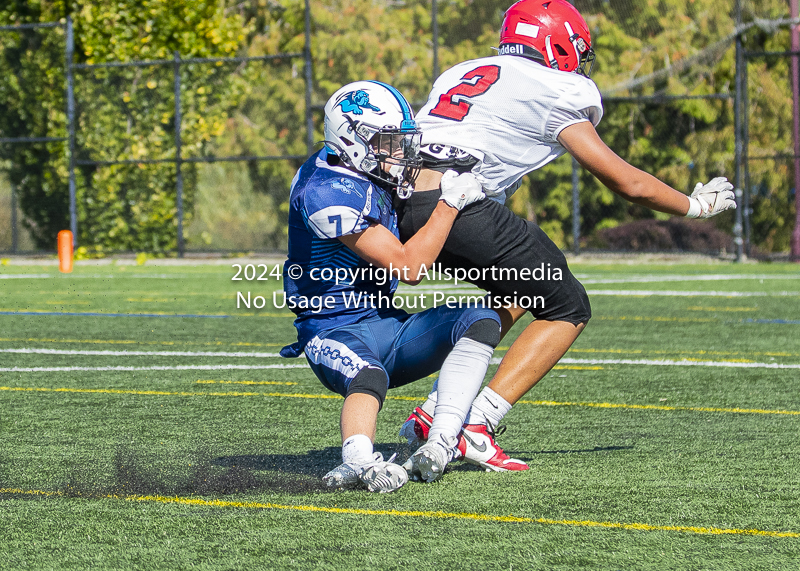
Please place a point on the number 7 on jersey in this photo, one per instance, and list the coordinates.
(474, 83)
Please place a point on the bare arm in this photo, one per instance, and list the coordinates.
(582, 142)
(380, 247)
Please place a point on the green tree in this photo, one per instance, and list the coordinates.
(128, 113)
(123, 114)
(268, 119)
(686, 141)
(644, 47)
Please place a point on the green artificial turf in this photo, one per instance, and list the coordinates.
(639, 458)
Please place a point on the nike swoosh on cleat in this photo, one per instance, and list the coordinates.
(481, 448)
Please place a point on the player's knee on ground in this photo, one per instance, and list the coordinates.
(370, 381)
(486, 331)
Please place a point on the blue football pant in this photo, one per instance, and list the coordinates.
(406, 347)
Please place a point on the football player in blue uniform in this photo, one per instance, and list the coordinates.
(345, 260)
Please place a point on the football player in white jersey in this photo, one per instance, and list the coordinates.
(501, 117)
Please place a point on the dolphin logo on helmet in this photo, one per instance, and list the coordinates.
(355, 101)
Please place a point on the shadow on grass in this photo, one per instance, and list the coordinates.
(527, 456)
(579, 451)
(202, 473)
(314, 463)
(199, 473)
(317, 463)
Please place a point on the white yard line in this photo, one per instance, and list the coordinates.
(449, 288)
(615, 292)
(142, 353)
(585, 279)
(678, 293)
(93, 276)
(669, 363)
(155, 368)
(496, 360)
(25, 276)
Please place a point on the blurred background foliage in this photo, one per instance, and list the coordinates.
(679, 47)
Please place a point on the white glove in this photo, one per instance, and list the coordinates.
(460, 190)
(711, 198)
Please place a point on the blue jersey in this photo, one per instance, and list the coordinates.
(327, 202)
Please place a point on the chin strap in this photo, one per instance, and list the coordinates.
(405, 192)
(551, 58)
(404, 188)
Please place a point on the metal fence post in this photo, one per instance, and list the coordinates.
(73, 207)
(435, 17)
(576, 209)
(309, 79)
(14, 231)
(178, 172)
(737, 112)
(747, 210)
(795, 64)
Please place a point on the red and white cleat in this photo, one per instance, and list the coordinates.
(416, 428)
(476, 443)
(477, 446)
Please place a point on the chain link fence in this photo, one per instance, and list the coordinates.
(207, 147)
(193, 128)
(190, 144)
(29, 134)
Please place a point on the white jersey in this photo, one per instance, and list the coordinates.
(507, 111)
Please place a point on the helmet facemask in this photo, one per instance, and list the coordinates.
(586, 63)
(585, 54)
(392, 156)
(397, 153)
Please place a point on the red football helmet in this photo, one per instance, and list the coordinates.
(550, 31)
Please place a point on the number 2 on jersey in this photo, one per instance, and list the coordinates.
(487, 75)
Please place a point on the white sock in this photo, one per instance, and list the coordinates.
(459, 381)
(357, 450)
(429, 405)
(489, 408)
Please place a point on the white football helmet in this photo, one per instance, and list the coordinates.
(370, 127)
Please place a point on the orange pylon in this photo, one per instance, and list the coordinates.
(65, 251)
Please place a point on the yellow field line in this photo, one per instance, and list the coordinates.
(726, 308)
(679, 352)
(400, 398)
(213, 382)
(659, 318)
(167, 393)
(428, 514)
(659, 407)
(676, 352)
